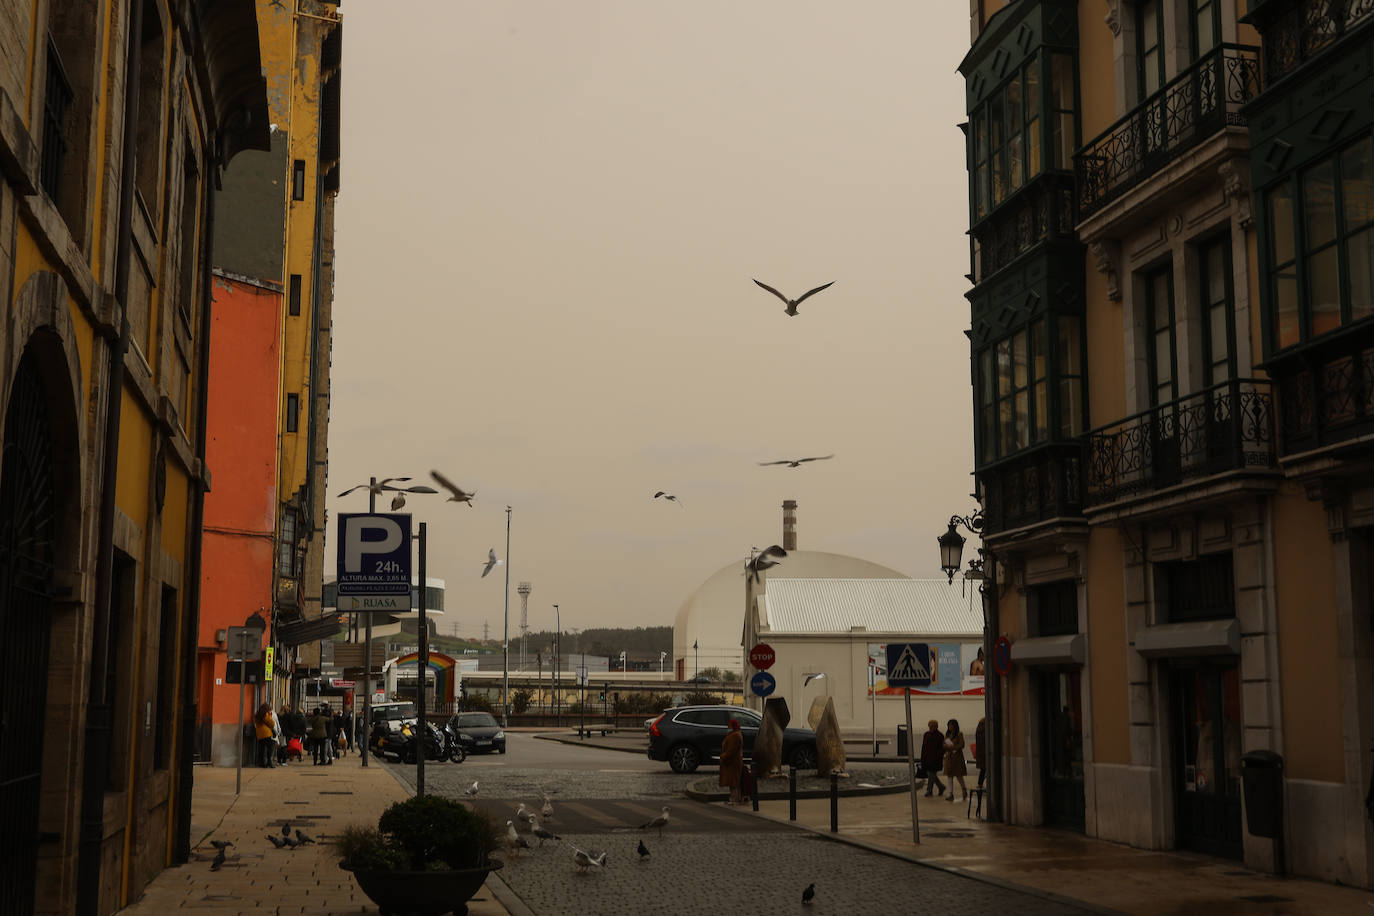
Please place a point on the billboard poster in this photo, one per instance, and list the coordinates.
(956, 670)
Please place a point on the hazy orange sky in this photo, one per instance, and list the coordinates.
(549, 220)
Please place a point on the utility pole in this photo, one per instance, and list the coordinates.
(524, 589)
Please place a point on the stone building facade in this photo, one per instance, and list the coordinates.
(116, 120)
(1170, 213)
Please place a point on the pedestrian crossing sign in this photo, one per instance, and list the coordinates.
(908, 664)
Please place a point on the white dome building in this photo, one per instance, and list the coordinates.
(712, 617)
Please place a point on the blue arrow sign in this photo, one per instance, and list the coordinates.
(763, 684)
(908, 664)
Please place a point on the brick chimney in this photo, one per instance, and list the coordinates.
(789, 524)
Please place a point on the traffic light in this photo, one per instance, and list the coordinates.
(602, 698)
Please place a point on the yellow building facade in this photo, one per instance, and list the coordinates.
(1171, 247)
(116, 119)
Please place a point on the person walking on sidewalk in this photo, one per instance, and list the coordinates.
(933, 757)
(264, 727)
(319, 734)
(732, 761)
(980, 750)
(955, 767)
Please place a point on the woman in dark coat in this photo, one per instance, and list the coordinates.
(732, 761)
(955, 767)
(933, 757)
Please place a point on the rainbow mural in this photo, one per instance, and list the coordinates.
(444, 668)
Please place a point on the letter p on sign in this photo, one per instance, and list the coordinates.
(361, 537)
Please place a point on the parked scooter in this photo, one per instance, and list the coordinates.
(438, 744)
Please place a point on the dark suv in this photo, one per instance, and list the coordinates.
(689, 736)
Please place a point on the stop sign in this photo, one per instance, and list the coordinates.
(761, 656)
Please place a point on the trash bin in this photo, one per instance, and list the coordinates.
(1261, 775)
(903, 740)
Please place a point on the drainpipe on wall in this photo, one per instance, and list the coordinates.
(190, 638)
(95, 764)
(993, 691)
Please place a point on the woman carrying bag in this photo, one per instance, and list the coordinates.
(955, 767)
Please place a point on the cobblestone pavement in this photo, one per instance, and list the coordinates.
(755, 873)
(527, 783)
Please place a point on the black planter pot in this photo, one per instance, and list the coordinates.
(423, 893)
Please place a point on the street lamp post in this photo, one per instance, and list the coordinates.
(505, 638)
(661, 657)
(951, 560)
(696, 658)
(557, 662)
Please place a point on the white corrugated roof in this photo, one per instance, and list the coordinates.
(915, 606)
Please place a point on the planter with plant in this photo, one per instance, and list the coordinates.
(427, 855)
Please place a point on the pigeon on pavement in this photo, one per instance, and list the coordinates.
(795, 462)
(516, 841)
(660, 822)
(286, 829)
(217, 861)
(303, 839)
(643, 851)
(459, 494)
(793, 303)
(220, 844)
(277, 841)
(809, 894)
(292, 842)
(491, 561)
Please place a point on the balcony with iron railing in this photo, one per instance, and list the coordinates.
(1191, 107)
(1228, 427)
(1326, 397)
(1033, 487)
(1296, 32)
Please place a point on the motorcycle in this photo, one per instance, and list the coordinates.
(438, 744)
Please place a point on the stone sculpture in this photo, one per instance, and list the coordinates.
(829, 745)
(768, 744)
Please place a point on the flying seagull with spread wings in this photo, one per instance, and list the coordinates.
(795, 462)
(793, 303)
(668, 496)
(385, 485)
(491, 562)
(459, 494)
(764, 560)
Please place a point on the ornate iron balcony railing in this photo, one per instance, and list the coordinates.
(1228, 427)
(1329, 399)
(1299, 33)
(57, 98)
(1035, 486)
(1190, 108)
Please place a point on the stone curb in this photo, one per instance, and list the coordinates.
(950, 869)
(714, 795)
(606, 746)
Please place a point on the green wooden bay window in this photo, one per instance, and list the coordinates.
(1320, 252)
(1029, 388)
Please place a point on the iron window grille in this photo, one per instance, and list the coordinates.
(1192, 590)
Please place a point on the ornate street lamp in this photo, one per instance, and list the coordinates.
(952, 542)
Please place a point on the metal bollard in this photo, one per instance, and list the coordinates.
(792, 793)
(834, 803)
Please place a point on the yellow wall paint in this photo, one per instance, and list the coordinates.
(135, 457)
(174, 513)
(1307, 631)
(1096, 66)
(1106, 368)
(1107, 648)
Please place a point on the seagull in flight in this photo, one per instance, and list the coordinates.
(667, 496)
(793, 303)
(764, 560)
(459, 495)
(795, 462)
(491, 562)
(385, 485)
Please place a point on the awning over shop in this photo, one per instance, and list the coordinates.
(1178, 640)
(301, 631)
(1049, 650)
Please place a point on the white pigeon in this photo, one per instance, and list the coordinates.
(585, 860)
(547, 810)
(491, 561)
(516, 841)
(471, 791)
(660, 822)
(543, 832)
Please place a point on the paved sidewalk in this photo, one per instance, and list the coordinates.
(1067, 865)
(259, 878)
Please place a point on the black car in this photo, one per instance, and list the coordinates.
(478, 732)
(689, 736)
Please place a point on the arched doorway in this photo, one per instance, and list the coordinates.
(28, 539)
